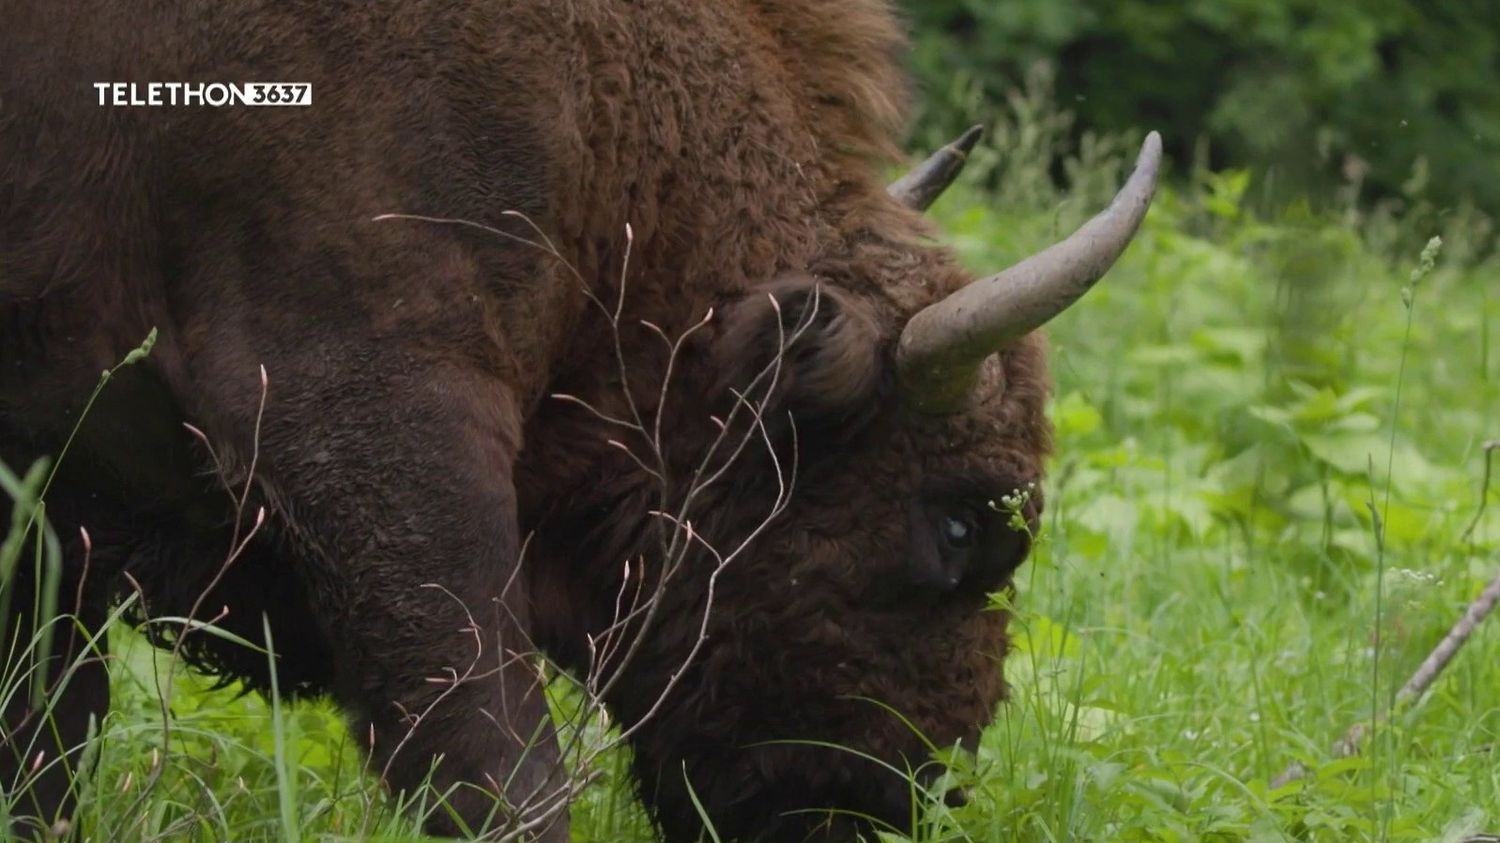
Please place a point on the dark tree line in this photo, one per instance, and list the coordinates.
(1400, 95)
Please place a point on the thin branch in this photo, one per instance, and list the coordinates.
(1431, 668)
(1443, 653)
(238, 543)
(592, 410)
(1484, 489)
(611, 651)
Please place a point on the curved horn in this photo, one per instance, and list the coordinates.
(943, 346)
(922, 186)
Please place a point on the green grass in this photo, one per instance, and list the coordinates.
(1212, 597)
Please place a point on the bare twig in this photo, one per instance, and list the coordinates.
(1431, 668)
(238, 543)
(1441, 655)
(611, 651)
(1437, 660)
(1484, 490)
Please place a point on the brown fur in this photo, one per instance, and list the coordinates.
(407, 437)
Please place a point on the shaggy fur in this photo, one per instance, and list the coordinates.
(408, 441)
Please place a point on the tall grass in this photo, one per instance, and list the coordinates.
(1267, 459)
(1211, 597)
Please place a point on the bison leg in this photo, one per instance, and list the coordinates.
(395, 492)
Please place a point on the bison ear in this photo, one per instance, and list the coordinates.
(818, 342)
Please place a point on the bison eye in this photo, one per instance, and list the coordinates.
(959, 530)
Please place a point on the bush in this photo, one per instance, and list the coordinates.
(1398, 98)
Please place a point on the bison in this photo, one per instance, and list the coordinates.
(531, 300)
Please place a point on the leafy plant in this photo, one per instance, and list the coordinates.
(1326, 102)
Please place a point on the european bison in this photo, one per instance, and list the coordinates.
(480, 437)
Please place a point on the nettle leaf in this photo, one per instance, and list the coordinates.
(1351, 453)
(1177, 354)
(1356, 423)
(1074, 417)
(1188, 508)
(1278, 417)
(1243, 345)
(1110, 515)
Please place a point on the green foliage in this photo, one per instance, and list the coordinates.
(1200, 611)
(1394, 98)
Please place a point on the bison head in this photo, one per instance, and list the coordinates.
(820, 618)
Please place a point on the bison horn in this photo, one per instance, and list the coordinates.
(922, 186)
(942, 347)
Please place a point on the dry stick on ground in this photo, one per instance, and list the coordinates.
(1420, 681)
(1441, 655)
(1445, 651)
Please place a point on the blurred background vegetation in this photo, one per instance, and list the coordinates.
(1270, 496)
(1390, 104)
